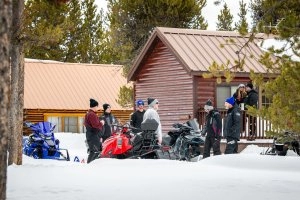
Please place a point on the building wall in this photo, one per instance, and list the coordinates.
(39, 115)
(162, 76)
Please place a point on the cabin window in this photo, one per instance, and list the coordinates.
(71, 124)
(223, 92)
(57, 121)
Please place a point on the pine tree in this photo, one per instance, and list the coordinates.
(242, 25)
(91, 33)
(225, 19)
(281, 18)
(72, 35)
(43, 31)
(132, 21)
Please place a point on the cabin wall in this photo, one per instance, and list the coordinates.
(163, 77)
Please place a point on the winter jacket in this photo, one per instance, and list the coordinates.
(232, 123)
(213, 124)
(251, 99)
(136, 120)
(109, 119)
(93, 125)
(152, 114)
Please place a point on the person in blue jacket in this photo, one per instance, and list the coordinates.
(232, 125)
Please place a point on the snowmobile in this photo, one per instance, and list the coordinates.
(141, 145)
(186, 140)
(289, 141)
(42, 144)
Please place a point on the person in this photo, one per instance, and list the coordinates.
(109, 119)
(240, 94)
(137, 116)
(251, 100)
(93, 131)
(232, 125)
(151, 113)
(212, 130)
(239, 97)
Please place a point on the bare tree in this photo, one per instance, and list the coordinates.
(5, 22)
(17, 85)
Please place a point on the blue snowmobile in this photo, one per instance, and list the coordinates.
(42, 144)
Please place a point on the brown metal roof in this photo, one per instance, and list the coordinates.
(198, 49)
(57, 85)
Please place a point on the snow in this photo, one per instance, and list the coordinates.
(247, 175)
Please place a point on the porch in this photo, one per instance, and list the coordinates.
(259, 128)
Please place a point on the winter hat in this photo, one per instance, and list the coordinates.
(105, 106)
(241, 85)
(152, 102)
(139, 102)
(230, 100)
(250, 85)
(93, 103)
(208, 105)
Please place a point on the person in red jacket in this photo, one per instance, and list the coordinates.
(93, 130)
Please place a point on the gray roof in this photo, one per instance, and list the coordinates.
(198, 49)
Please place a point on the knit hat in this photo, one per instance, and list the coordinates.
(230, 100)
(139, 102)
(241, 85)
(152, 102)
(93, 103)
(208, 105)
(105, 106)
(250, 85)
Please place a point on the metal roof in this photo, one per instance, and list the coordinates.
(198, 49)
(58, 85)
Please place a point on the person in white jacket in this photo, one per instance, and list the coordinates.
(151, 113)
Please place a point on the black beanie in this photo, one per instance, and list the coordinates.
(250, 85)
(93, 103)
(150, 100)
(105, 106)
(208, 103)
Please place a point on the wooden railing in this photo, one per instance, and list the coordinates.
(259, 128)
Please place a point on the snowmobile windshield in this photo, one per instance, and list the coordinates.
(44, 128)
(194, 124)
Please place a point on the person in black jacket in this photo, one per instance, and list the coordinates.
(251, 100)
(213, 127)
(232, 126)
(109, 119)
(93, 131)
(137, 116)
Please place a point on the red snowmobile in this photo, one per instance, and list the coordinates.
(125, 144)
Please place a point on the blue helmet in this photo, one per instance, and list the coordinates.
(139, 102)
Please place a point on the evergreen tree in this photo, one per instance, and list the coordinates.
(43, 31)
(242, 25)
(132, 21)
(91, 33)
(281, 18)
(72, 35)
(225, 19)
(71, 32)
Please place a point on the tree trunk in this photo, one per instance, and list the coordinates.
(5, 23)
(17, 86)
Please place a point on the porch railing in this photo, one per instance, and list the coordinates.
(259, 128)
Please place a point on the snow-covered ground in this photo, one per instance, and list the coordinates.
(247, 175)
